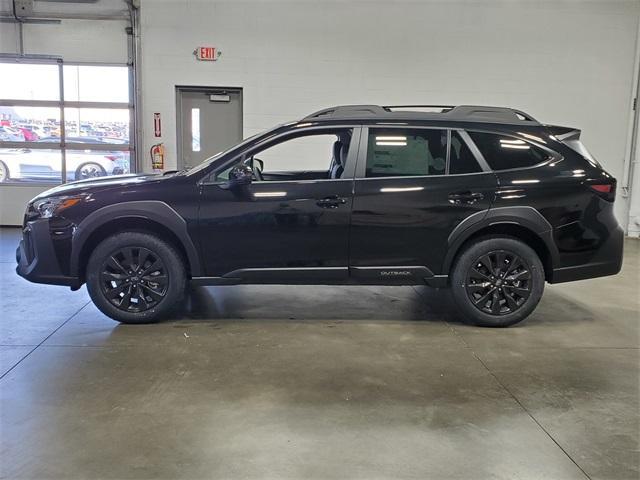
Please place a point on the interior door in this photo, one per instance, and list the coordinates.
(282, 230)
(413, 187)
(209, 121)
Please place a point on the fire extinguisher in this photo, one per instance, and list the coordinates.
(157, 156)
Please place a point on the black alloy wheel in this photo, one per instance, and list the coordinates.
(499, 282)
(134, 279)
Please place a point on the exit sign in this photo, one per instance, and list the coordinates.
(207, 53)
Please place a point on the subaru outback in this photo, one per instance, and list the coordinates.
(486, 201)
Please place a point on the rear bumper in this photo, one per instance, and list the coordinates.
(606, 261)
(36, 258)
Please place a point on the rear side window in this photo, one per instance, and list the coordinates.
(461, 159)
(577, 146)
(406, 153)
(503, 152)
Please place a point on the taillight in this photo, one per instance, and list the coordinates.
(113, 158)
(604, 190)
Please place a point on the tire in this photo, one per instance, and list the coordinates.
(90, 170)
(4, 172)
(128, 292)
(497, 282)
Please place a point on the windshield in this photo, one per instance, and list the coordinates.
(206, 162)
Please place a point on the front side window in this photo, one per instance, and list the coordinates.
(309, 156)
(306, 153)
(405, 153)
(502, 152)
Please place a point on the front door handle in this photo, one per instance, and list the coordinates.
(332, 201)
(465, 197)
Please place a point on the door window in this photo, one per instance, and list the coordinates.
(402, 153)
(461, 160)
(502, 152)
(309, 156)
(308, 153)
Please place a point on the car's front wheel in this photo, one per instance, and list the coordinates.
(135, 277)
(497, 282)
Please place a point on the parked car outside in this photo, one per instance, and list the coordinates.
(485, 201)
(28, 134)
(46, 165)
(10, 134)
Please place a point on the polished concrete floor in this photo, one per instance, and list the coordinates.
(320, 382)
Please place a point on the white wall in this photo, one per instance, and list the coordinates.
(564, 62)
(75, 41)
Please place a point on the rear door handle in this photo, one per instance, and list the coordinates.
(332, 201)
(465, 197)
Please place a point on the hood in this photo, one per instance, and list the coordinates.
(93, 184)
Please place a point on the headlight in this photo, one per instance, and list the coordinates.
(47, 207)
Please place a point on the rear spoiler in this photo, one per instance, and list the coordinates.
(570, 137)
(564, 133)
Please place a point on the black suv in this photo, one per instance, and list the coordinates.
(484, 200)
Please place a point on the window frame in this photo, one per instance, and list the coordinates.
(60, 104)
(364, 144)
(294, 132)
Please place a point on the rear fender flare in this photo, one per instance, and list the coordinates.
(526, 217)
(152, 210)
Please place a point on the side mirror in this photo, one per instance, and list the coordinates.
(239, 175)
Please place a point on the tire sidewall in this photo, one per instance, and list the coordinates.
(167, 254)
(5, 169)
(103, 172)
(470, 255)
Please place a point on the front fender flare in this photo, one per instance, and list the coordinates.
(153, 210)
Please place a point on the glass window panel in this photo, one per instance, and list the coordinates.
(83, 164)
(502, 152)
(461, 159)
(101, 125)
(195, 129)
(31, 165)
(83, 83)
(312, 153)
(406, 153)
(29, 82)
(29, 124)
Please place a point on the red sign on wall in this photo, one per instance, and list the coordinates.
(206, 53)
(157, 126)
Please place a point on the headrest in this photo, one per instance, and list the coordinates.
(344, 150)
(337, 152)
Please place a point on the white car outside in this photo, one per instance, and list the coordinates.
(46, 165)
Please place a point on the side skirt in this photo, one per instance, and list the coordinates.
(381, 275)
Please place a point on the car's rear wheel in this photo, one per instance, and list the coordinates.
(4, 172)
(90, 170)
(497, 282)
(135, 277)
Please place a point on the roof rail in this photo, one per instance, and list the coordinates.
(447, 112)
(443, 108)
(491, 113)
(348, 110)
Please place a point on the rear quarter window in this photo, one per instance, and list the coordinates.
(503, 152)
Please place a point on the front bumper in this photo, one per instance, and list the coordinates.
(36, 258)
